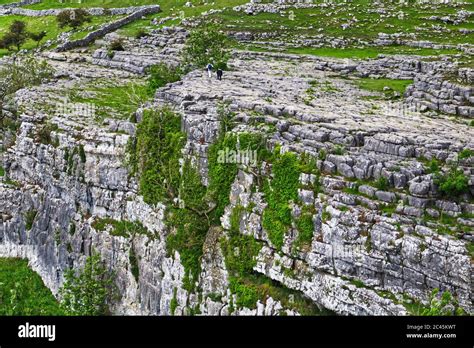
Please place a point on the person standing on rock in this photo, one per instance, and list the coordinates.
(209, 68)
(219, 74)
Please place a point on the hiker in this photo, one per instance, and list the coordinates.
(219, 74)
(209, 68)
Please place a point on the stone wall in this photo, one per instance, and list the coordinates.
(19, 4)
(94, 11)
(109, 27)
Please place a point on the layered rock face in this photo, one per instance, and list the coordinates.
(376, 244)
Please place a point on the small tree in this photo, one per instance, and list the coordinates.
(37, 37)
(73, 18)
(15, 37)
(90, 292)
(205, 45)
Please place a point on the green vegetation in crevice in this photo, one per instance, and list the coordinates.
(22, 292)
(44, 136)
(305, 225)
(251, 288)
(30, 218)
(240, 251)
(282, 191)
(112, 99)
(121, 228)
(173, 302)
(133, 259)
(279, 192)
(222, 170)
(160, 75)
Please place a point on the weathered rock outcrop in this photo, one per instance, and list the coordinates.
(376, 244)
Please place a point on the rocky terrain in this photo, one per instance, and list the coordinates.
(383, 234)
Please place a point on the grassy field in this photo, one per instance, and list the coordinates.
(22, 292)
(47, 4)
(378, 85)
(365, 22)
(354, 53)
(49, 24)
(176, 8)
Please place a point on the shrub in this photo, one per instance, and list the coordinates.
(73, 18)
(132, 257)
(44, 136)
(444, 305)
(141, 33)
(116, 45)
(160, 75)
(91, 291)
(382, 183)
(207, 44)
(37, 37)
(465, 153)
(22, 73)
(15, 37)
(452, 183)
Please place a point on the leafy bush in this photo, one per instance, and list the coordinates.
(73, 18)
(25, 72)
(444, 305)
(44, 136)
(91, 291)
(155, 155)
(452, 183)
(116, 45)
(162, 74)
(382, 183)
(207, 44)
(37, 37)
(465, 153)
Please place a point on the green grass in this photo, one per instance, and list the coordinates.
(122, 228)
(112, 100)
(22, 292)
(174, 9)
(2, 172)
(313, 21)
(254, 287)
(368, 52)
(48, 24)
(378, 85)
(48, 4)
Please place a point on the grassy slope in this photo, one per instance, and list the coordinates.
(49, 24)
(32, 296)
(315, 21)
(47, 4)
